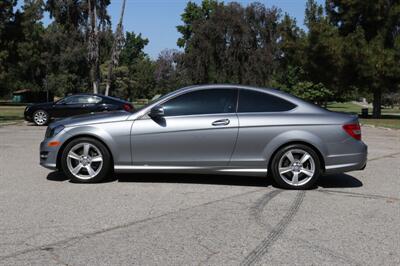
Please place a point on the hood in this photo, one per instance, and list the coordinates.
(47, 104)
(92, 118)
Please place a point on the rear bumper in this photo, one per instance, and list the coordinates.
(340, 163)
(341, 168)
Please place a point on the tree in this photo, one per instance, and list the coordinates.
(316, 93)
(97, 20)
(292, 57)
(371, 36)
(7, 26)
(166, 72)
(116, 49)
(323, 50)
(228, 43)
(70, 14)
(193, 13)
(30, 69)
(133, 48)
(64, 55)
(65, 47)
(135, 71)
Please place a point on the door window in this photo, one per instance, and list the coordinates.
(93, 99)
(254, 101)
(82, 99)
(211, 101)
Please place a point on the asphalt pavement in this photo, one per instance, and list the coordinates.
(159, 219)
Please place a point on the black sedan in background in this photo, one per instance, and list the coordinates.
(77, 104)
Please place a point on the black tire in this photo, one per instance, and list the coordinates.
(40, 118)
(309, 181)
(101, 174)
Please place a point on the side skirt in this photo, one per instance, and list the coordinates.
(190, 169)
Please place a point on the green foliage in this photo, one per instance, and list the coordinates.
(167, 75)
(312, 92)
(322, 53)
(351, 48)
(229, 43)
(65, 60)
(194, 13)
(133, 48)
(134, 77)
(370, 35)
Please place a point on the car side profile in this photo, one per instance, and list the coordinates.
(210, 129)
(42, 113)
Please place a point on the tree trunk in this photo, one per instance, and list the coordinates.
(95, 78)
(376, 112)
(93, 46)
(108, 82)
(116, 49)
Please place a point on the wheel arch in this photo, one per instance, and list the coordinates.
(311, 146)
(304, 137)
(61, 150)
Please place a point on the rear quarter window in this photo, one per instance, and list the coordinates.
(251, 101)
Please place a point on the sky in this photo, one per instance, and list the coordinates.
(157, 19)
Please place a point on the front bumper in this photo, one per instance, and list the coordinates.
(48, 155)
(28, 116)
(50, 148)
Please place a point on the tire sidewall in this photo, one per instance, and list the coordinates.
(106, 161)
(47, 115)
(275, 167)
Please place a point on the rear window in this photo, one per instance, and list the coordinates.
(251, 101)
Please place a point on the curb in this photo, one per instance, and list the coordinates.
(10, 123)
(378, 127)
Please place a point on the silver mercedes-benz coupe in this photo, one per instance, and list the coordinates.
(224, 129)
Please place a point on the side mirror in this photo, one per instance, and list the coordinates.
(157, 111)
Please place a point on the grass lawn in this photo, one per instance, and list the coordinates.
(383, 122)
(345, 107)
(350, 107)
(16, 114)
(390, 118)
(11, 114)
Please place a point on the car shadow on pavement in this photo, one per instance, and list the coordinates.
(204, 179)
(326, 181)
(338, 181)
(57, 176)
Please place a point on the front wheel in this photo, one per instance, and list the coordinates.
(296, 167)
(86, 160)
(40, 117)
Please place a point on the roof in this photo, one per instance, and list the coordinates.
(99, 95)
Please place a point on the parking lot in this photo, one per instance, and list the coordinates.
(142, 219)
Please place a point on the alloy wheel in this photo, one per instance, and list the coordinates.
(40, 118)
(296, 167)
(84, 161)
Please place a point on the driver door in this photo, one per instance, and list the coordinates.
(198, 128)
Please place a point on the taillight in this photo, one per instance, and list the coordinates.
(128, 107)
(354, 130)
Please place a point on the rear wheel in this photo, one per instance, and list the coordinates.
(86, 160)
(40, 117)
(296, 167)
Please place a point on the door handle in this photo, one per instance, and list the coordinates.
(222, 122)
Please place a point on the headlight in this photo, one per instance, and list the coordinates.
(54, 131)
